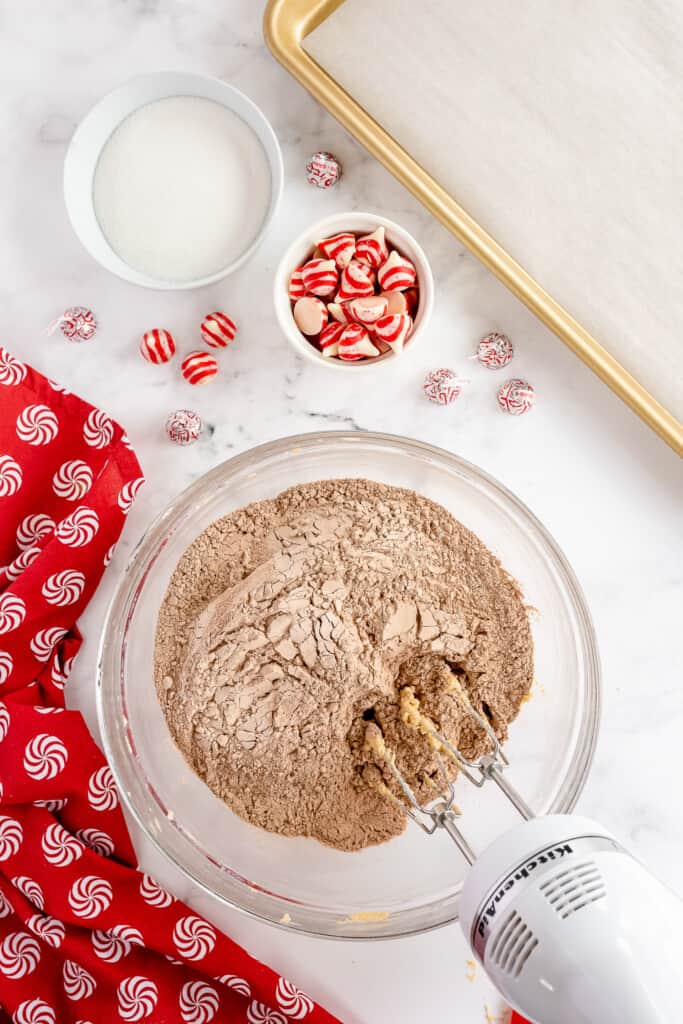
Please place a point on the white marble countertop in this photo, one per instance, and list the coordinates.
(603, 484)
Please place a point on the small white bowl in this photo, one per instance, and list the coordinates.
(96, 128)
(360, 224)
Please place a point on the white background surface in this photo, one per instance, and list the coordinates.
(604, 485)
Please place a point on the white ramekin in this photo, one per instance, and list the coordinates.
(359, 223)
(96, 128)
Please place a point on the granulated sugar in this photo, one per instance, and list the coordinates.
(294, 628)
(181, 188)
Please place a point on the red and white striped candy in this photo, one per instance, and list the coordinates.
(338, 312)
(339, 248)
(365, 269)
(372, 249)
(495, 350)
(310, 315)
(296, 288)
(329, 339)
(367, 310)
(218, 330)
(516, 396)
(354, 343)
(320, 277)
(396, 273)
(442, 386)
(396, 302)
(199, 367)
(157, 346)
(355, 282)
(394, 329)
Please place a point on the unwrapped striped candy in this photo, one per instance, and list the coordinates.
(157, 346)
(218, 330)
(310, 315)
(199, 368)
(372, 249)
(442, 386)
(320, 277)
(354, 343)
(394, 330)
(396, 273)
(323, 170)
(183, 426)
(355, 282)
(516, 396)
(339, 248)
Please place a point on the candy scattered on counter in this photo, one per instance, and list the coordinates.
(157, 346)
(218, 330)
(516, 396)
(495, 350)
(77, 323)
(323, 170)
(199, 367)
(183, 426)
(442, 386)
(374, 288)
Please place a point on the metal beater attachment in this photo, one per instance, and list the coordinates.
(443, 813)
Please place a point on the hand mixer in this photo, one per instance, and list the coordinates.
(570, 927)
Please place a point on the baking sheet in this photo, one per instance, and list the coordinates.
(558, 128)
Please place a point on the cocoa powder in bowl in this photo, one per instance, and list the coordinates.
(296, 627)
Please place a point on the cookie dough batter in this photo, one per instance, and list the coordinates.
(296, 629)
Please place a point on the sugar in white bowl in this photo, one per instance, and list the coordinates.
(182, 188)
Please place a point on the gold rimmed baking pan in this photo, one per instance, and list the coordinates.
(291, 25)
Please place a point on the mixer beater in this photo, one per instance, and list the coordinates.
(569, 927)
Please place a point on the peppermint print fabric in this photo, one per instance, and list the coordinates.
(84, 937)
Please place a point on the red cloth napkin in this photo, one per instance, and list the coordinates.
(84, 937)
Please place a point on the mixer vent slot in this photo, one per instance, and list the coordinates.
(513, 945)
(574, 888)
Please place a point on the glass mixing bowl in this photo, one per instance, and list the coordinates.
(413, 882)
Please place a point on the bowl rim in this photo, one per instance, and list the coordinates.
(405, 922)
(286, 264)
(168, 84)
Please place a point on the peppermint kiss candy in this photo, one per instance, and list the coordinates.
(442, 386)
(329, 339)
(363, 268)
(323, 170)
(199, 367)
(78, 323)
(339, 248)
(368, 310)
(495, 350)
(396, 273)
(157, 346)
(183, 426)
(320, 277)
(338, 312)
(218, 330)
(372, 249)
(296, 286)
(396, 302)
(394, 330)
(516, 396)
(354, 343)
(310, 315)
(355, 282)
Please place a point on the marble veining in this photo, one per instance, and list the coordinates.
(602, 483)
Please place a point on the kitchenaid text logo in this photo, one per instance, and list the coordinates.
(520, 874)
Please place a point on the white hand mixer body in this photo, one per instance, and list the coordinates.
(570, 927)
